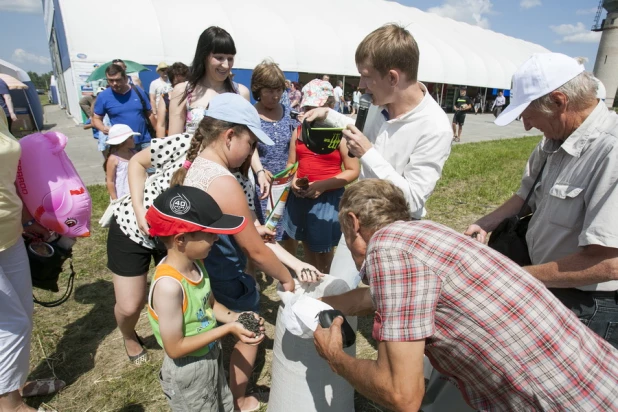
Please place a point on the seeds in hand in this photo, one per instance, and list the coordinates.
(249, 322)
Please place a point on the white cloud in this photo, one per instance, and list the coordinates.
(22, 6)
(468, 11)
(566, 29)
(576, 33)
(22, 56)
(581, 12)
(528, 4)
(586, 37)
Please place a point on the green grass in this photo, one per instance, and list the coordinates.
(79, 341)
(44, 98)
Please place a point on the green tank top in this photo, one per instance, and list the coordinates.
(198, 316)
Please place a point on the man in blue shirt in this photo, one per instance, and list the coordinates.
(123, 104)
(6, 103)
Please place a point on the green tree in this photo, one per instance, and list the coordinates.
(40, 81)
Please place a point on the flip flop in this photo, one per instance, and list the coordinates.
(42, 387)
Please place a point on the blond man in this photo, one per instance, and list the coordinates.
(407, 136)
(482, 320)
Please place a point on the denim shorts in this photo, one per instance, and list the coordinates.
(314, 221)
(597, 310)
(239, 294)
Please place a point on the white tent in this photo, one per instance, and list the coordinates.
(319, 36)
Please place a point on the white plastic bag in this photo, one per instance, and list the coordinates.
(301, 380)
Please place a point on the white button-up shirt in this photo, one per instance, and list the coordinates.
(410, 150)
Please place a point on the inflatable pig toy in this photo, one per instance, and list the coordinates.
(50, 187)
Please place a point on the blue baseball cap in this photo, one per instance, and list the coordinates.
(233, 108)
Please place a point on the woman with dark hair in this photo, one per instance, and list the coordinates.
(209, 76)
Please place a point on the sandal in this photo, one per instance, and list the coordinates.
(141, 357)
(42, 387)
(456, 139)
(262, 399)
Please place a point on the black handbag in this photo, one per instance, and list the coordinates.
(46, 265)
(149, 126)
(509, 238)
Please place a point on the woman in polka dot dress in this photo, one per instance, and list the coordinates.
(129, 250)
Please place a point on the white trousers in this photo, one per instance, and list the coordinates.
(343, 266)
(16, 308)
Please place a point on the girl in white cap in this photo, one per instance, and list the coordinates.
(117, 156)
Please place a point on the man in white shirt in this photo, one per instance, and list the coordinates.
(338, 93)
(407, 135)
(356, 100)
(498, 104)
(159, 86)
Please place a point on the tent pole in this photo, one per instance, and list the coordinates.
(31, 111)
(441, 93)
(484, 101)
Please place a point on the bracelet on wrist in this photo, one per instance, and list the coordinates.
(28, 223)
(258, 172)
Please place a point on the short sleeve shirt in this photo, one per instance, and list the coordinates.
(4, 89)
(462, 100)
(338, 92)
(159, 87)
(505, 338)
(576, 202)
(125, 109)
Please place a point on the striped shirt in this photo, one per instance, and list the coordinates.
(506, 340)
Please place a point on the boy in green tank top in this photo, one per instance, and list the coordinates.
(182, 310)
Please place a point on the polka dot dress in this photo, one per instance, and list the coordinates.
(167, 155)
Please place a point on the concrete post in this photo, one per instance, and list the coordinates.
(606, 64)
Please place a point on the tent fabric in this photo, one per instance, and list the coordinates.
(31, 99)
(301, 37)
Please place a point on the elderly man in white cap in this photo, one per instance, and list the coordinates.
(573, 235)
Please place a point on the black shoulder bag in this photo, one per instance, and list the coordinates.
(45, 269)
(151, 129)
(509, 238)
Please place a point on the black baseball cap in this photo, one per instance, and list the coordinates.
(185, 209)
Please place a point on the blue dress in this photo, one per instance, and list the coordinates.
(274, 158)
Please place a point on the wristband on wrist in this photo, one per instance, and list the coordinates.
(258, 172)
(28, 223)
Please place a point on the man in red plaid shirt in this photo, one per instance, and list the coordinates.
(497, 331)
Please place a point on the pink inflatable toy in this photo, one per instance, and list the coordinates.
(50, 187)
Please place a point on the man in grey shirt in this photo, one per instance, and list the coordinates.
(573, 235)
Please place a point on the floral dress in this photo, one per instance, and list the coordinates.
(275, 157)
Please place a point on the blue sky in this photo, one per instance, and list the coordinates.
(558, 25)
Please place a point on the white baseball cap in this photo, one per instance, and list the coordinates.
(539, 75)
(118, 133)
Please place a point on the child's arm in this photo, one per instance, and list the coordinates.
(110, 176)
(167, 296)
(348, 175)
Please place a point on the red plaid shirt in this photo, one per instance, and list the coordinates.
(509, 343)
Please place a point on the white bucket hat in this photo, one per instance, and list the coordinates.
(118, 133)
(539, 75)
